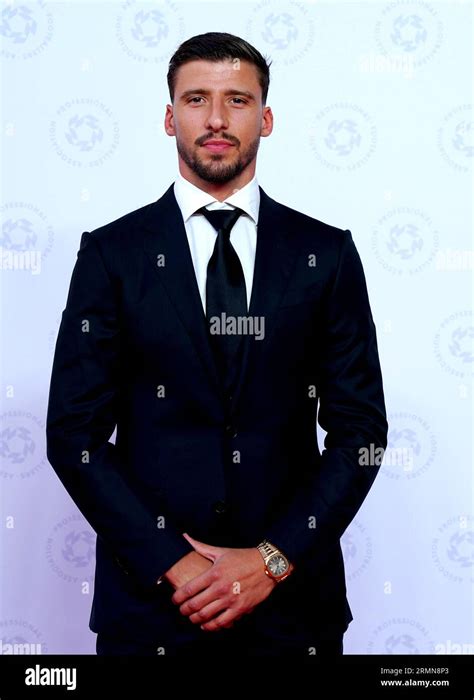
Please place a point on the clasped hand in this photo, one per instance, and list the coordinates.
(232, 587)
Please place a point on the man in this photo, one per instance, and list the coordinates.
(207, 327)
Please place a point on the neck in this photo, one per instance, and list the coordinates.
(219, 191)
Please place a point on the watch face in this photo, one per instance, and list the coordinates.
(277, 565)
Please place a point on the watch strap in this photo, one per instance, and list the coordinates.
(266, 549)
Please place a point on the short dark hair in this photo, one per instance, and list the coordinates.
(219, 46)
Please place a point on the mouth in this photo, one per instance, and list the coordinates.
(217, 146)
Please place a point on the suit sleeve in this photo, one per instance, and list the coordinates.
(351, 411)
(82, 415)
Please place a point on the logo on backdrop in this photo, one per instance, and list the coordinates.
(26, 29)
(404, 241)
(284, 29)
(456, 136)
(356, 550)
(454, 344)
(411, 447)
(149, 32)
(84, 132)
(342, 137)
(453, 549)
(22, 445)
(70, 549)
(411, 28)
(400, 635)
(26, 237)
(20, 637)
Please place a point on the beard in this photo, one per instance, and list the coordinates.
(215, 170)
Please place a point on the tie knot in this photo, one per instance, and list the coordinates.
(222, 219)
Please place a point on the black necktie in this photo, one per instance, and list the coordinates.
(226, 296)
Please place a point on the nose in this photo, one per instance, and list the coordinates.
(216, 118)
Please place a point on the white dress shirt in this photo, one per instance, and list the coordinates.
(202, 235)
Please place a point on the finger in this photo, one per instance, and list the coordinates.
(192, 587)
(206, 613)
(227, 617)
(198, 602)
(209, 612)
(207, 550)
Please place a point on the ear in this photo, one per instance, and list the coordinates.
(267, 122)
(169, 121)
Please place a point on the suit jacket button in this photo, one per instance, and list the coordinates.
(220, 507)
(121, 565)
(230, 430)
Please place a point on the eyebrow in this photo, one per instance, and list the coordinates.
(230, 91)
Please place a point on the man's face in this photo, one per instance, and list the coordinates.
(218, 118)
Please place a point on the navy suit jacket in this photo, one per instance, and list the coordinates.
(133, 354)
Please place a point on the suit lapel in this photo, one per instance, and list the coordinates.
(274, 260)
(166, 241)
(166, 237)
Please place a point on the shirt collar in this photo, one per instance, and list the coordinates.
(191, 198)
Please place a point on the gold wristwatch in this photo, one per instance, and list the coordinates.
(277, 565)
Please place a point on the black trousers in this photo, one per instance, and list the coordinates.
(222, 644)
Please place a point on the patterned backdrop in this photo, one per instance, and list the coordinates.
(374, 132)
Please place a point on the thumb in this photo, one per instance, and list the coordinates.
(207, 550)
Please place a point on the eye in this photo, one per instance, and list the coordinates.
(194, 100)
(244, 102)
